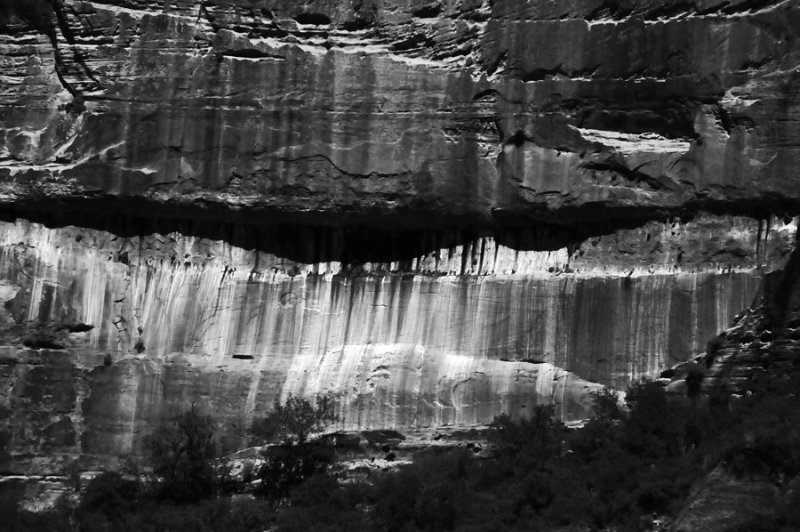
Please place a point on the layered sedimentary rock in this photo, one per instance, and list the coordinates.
(431, 211)
(473, 112)
(107, 335)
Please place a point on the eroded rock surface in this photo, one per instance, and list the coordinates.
(400, 112)
(106, 334)
(432, 211)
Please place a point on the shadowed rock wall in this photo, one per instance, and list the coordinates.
(472, 112)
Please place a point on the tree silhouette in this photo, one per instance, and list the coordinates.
(292, 422)
(182, 452)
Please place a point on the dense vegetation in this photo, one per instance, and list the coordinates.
(622, 469)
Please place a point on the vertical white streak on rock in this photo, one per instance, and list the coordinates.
(393, 349)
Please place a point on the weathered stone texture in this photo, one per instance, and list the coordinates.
(433, 211)
(504, 111)
(148, 325)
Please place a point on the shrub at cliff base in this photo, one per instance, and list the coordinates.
(295, 457)
(619, 472)
(182, 456)
(181, 494)
(150, 515)
(626, 470)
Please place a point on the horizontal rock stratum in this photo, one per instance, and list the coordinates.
(433, 212)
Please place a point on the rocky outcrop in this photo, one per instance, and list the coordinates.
(431, 211)
(419, 114)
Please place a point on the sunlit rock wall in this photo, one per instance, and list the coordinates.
(449, 338)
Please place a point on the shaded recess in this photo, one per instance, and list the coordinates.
(367, 236)
(429, 11)
(317, 19)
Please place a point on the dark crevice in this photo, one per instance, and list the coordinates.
(356, 24)
(205, 13)
(249, 53)
(712, 9)
(486, 93)
(779, 290)
(746, 6)
(730, 121)
(610, 9)
(76, 327)
(315, 19)
(477, 16)
(632, 175)
(430, 11)
(618, 10)
(673, 10)
(671, 119)
(758, 64)
(495, 65)
(268, 31)
(524, 360)
(518, 139)
(540, 74)
(417, 41)
(41, 342)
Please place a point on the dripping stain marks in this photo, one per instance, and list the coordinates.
(371, 237)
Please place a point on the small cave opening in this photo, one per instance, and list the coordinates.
(517, 139)
(76, 327)
(248, 53)
(42, 341)
(417, 41)
(314, 19)
(672, 120)
(429, 11)
(540, 74)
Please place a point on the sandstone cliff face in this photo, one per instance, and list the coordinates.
(485, 112)
(431, 211)
(107, 335)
